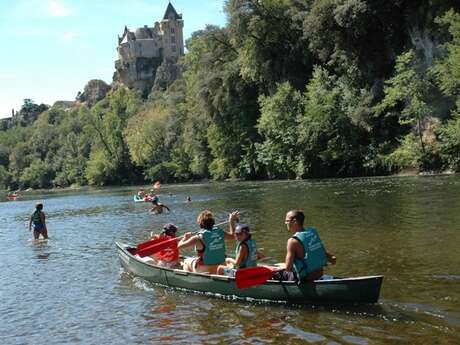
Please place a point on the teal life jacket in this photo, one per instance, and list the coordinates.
(36, 219)
(251, 259)
(315, 254)
(214, 246)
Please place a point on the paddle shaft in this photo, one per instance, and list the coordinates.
(153, 246)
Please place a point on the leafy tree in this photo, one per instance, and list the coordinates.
(37, 175)
(407, 93)
(267, 37)
(109, 161)
(278, 127)
(332, 141)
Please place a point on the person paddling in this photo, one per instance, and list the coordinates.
(168, 257)
(38, 223)
(246, 253)
(209, 243)
(306, 256)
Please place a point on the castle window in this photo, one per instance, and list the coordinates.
(173, 39)
(173, 48)
(172, 30)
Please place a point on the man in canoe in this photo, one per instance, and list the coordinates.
(246, 253)
(209, 243)
(306, 255)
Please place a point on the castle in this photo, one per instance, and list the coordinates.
(142, 51)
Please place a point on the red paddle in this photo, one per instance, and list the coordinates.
(154, 246)
(252, 276)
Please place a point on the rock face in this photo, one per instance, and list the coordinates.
(142, 51)
(94, 91)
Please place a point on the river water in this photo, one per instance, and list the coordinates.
(72, 290)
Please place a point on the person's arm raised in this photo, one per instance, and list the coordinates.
(232, 219)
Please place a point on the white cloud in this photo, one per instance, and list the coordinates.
(58, 9)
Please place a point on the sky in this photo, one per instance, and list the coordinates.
(51, 48)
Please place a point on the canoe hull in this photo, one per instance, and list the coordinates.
(137, 199)
(359, 290)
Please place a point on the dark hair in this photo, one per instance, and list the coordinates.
(169, 229)
(39, 206)
(298, 216)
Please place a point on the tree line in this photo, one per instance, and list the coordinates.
(287, 89)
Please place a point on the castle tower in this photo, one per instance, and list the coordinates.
(173, 40)
(142, 51)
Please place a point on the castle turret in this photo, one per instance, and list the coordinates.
(140, 52)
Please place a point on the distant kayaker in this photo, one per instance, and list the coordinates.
(306, 255)
(209, 243)
(189, 199)
(38, 223)
(157, 207)
(246, 253)
(168, 257)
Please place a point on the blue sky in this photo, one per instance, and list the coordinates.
(52, 48)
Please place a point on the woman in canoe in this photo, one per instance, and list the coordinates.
(246, 253)
(209, 243)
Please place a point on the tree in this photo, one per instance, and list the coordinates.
(278, 127)
(407, 93)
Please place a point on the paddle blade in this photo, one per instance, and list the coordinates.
(157, 247)
(149, 243)
(252, 276)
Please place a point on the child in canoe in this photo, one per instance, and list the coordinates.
(168, 257)
(246, 253)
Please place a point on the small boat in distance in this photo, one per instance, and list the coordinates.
(335, 291)
(147, 198)
(12, 196)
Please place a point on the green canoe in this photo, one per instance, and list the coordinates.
(356, 290)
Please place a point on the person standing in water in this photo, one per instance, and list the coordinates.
(37, 221)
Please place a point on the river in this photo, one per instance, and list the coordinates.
(72, 290)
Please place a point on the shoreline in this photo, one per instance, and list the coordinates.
(404, 173)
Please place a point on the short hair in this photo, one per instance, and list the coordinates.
(206, 220)
(39, 206)
(298, 216)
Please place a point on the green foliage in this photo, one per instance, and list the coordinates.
(407, 93)
(332, 141)
(4, 177)
(109, 160)
(166, 172)
(406, 156)
(278, 126)
(447, 68)
(449, 136)
(287, 89)
(37, 175)
(268, 39)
